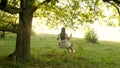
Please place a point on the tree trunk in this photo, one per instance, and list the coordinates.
(3, 35)
(22, 51)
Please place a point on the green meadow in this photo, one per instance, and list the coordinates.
(45, 53)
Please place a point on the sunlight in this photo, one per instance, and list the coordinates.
(104, 32)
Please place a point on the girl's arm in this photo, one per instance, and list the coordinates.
(70, 37)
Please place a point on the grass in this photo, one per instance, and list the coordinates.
(46, 54)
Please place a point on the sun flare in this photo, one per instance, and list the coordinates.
(103, 32)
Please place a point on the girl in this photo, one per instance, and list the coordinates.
(64, 40)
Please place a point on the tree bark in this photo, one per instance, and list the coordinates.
(22, 51)
(9, 30)
(10, 9)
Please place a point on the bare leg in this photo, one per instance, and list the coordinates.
(58, 43)
(71, 49)
(71, 44)
(68, 50)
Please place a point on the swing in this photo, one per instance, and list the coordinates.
(64, 41)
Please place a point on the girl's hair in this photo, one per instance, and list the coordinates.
(62, 34)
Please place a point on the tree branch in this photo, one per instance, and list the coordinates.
(9, 30)
(117, 7)
(10, 9)
(9, 23)
(117, 1)
(31, 9)
(95, 4)
(6, 21)
(114, 3)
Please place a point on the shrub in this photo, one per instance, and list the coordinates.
(91, 36)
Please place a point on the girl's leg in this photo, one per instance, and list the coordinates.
(71, 44)
(68, 50)
(58, 43)
(71, 49)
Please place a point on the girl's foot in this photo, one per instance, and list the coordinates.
(73, 51)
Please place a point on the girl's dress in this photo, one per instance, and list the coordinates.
(64, 43)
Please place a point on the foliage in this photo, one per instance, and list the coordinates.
(7, 20)
(91, 36)
(77, 12)
(14, 3)
(73, 13)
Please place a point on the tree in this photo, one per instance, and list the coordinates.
(25, 9)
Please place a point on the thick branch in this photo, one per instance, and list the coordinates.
(117, 7)
(117, 1)
(9, 23)
(31, 9)
(6, 21)
(10, 9)
(9, 30)
(14, 30)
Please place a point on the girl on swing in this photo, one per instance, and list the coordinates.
(64, 40)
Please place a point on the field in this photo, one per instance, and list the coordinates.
(46, 54)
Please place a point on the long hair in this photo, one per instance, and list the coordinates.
(62, 34)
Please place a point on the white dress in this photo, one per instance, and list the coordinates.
(64, 43)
